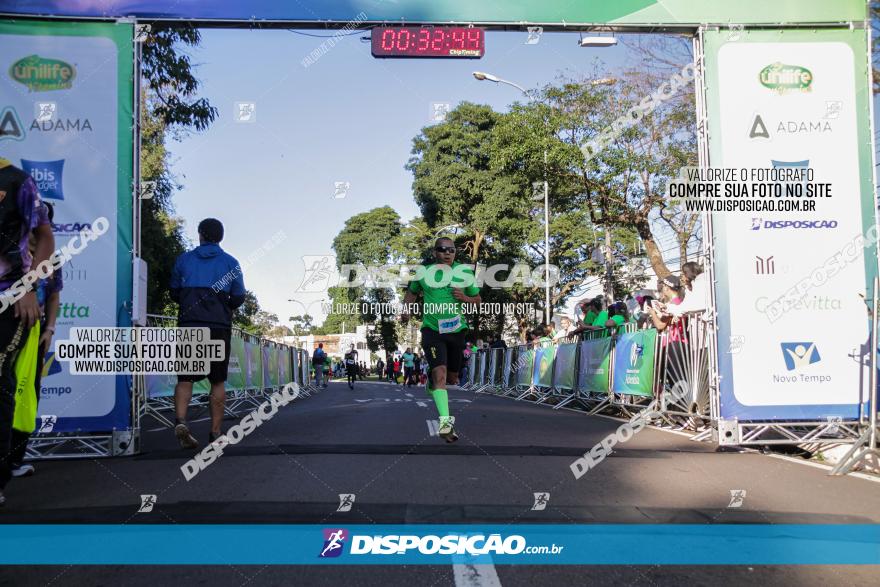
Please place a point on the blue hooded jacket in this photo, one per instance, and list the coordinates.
(208, 285)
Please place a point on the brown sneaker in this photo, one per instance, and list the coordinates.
(185, 439)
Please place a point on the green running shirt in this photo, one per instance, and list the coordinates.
(441, 311)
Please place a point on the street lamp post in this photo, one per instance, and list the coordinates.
(605, 81)
(482, 76)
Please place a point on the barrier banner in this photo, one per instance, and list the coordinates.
(66, 120)
(304, 367)
(235, 378)
(525, 364)
(545, 368)
(594, 369)
(284, 366)
(536, 366)
(788, 282)
(564, 370)
(634, 363)
(482, 360)
(296, 376)
(493, 365)
(270, 365)
(254, 359)
(505, 374)
(472, 368)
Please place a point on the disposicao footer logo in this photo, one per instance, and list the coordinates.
(334, 542)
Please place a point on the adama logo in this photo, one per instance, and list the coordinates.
(334, 542)
(781, 77)
(40, 74)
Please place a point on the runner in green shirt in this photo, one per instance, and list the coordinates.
(444, 287)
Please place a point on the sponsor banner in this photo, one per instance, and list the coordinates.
(545, 367)
(235, 375)
(525, 365)
(634, 363)
(65, 119)
(284, 365)
(508, 363)
(536, 366)
(595, 365)
(380, 544)
(563, 377)
(253, 365)
(494, 355)
(789, 284)
(305, 361)
(653, 12)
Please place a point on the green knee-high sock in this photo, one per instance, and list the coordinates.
(441, 398)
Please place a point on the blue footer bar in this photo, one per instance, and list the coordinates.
(672, 544)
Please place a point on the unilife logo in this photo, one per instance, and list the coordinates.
(334, 542)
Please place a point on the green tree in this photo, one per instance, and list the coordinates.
(170, 109)
(245, 316)
(302, 324)
(368, 239)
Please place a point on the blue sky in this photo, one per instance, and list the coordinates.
(347, 117)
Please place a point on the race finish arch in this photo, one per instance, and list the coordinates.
(801, 67)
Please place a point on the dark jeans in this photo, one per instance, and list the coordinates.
(12, 339)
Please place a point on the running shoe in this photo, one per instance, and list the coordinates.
(447, 431)
(25, 470)
(212, 437)
(185, 439)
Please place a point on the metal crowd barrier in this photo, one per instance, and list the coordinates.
(257, 368)
(621, 370)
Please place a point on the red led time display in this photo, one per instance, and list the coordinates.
(414, 41)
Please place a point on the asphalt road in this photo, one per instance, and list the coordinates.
(375, 442)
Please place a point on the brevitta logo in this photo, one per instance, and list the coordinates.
(783, 78)
(42, 74)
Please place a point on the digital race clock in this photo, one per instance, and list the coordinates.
(414, 41)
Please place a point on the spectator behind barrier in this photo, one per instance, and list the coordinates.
(671, 294)
(697, 292)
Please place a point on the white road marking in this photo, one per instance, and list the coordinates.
(422, 404)
(475, 576)
(409, 395)
(433, 427)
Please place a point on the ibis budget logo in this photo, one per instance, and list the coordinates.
(41, 74)
(782, 78)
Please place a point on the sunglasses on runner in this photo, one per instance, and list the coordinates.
(445, 249)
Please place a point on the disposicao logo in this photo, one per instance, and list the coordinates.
(799, 354)
(781, 77)
(334, 542)
(47, 176)
(41, 74)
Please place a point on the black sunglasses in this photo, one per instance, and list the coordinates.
(445, 249)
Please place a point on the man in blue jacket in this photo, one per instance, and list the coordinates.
(208, 286)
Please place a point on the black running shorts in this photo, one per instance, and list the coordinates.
(443, 349)
(218, 369)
